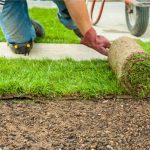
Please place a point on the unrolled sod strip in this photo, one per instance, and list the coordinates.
(131, 65)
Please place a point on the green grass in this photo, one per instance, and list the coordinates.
(136, 75)
(64, 77)
(55, 31)
(145, 46)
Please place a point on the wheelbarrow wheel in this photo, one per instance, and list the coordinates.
(137, 19)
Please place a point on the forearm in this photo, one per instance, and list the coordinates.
(79, 13)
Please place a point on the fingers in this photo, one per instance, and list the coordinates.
(103, 51)
(104, 42)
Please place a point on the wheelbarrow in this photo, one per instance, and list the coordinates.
(136, 12)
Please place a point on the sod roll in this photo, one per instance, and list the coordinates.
(131, 65)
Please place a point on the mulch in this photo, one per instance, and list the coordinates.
(106, 124)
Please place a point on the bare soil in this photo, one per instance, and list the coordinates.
(106, 124)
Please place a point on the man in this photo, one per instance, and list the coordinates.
(20, 30)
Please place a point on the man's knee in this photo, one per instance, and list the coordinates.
(66, 20)
(64, 15)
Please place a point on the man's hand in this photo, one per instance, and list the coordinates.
(99, 43)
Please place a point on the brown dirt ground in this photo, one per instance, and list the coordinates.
(106, 124)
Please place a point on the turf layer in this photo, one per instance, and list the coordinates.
(131, 65)
(136, 74)
(55, 78)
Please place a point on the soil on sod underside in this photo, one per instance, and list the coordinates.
(98, 124)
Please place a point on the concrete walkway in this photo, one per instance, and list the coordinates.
(55, 52)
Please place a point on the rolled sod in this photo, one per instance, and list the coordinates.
(131, 65)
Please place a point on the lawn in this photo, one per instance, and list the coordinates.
(64, 77)
(55, 78)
